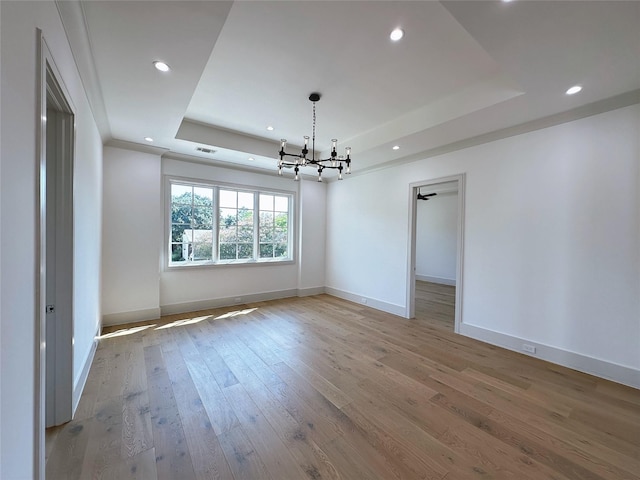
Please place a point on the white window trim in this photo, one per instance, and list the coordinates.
(216, 263)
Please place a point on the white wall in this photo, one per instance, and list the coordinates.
(132, 223)
(313, 205)
(18, 222)
(552, 240)
(140, 287)
(436, 238)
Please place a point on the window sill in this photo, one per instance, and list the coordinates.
(230, 263)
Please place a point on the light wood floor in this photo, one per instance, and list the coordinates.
(435, 303)
(320, 388)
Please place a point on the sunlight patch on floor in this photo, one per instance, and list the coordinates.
(125, 331)
(236, 313)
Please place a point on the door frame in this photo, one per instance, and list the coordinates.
(52, 90)
(411, 265)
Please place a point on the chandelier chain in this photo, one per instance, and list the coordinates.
(313, 143)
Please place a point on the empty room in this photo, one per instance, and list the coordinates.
(320, 240)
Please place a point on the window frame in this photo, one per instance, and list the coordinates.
(216, 262)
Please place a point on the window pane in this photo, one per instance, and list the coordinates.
(245, 250)
(281, 220)
(202, 251)
(181, 214)
(228, 198)
(228, 217)
(179, 252)
(266, 202)
(266, 250)
(228, 234)
(227, 251)
(203, 216)
(245, 200)
(181, 194)
(266, 235)
(245, 217)
(280, 236)
(282, 204)
(203, 196)
(178, 233)
(281, 250)
(245, 235)
(203, 236)
(266, 220)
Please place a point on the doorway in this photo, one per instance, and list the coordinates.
(435, 261)
(54, 373)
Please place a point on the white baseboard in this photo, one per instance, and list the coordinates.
(440, 280)
(307, 292)
(577, 361)
(122, 318)
(195, 306)
(80, 382)
(394, 309)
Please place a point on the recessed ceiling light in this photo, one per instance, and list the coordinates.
(148, 139)
(251, 159)
(396, 147)
(270, 128)
(573, 90)
(163, 67)
(397, 34)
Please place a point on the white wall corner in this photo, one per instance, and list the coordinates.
(583, 363)
(307, 292)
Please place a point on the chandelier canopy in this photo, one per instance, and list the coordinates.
(335, 161)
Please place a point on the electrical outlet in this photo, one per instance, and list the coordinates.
(528, 348)
(363, 300)
(238, 299)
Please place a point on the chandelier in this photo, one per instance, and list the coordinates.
(335, 161)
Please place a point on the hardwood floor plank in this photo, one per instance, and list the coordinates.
(136, 415)
(102, 456)
(172, 453)
(142, 466)
(217, 407)
(311, 458)
(242, 456)
(67, 454)
(275, 455)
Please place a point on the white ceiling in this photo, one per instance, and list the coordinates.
(463, 70)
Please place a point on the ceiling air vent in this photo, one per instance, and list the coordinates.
(205, 150)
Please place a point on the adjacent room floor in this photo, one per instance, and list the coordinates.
(321, 388)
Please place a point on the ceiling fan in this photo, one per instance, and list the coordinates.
(425, 196)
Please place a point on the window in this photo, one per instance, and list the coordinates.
(212, 224)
